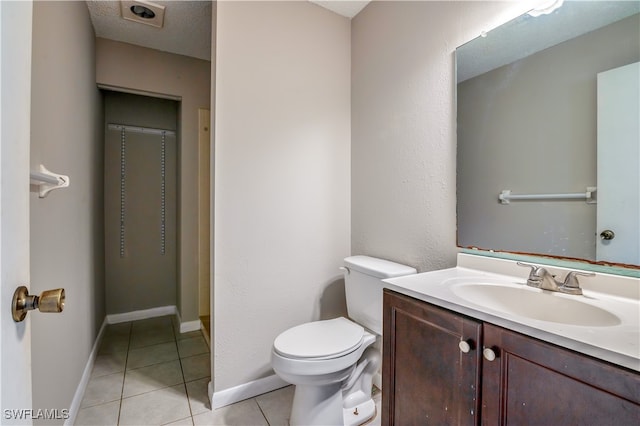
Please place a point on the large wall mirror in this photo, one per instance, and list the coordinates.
(549, 135)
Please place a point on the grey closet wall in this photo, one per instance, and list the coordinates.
(140, 256)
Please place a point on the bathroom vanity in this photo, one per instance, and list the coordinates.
(481, 342)
(429, 379)
(450, 361)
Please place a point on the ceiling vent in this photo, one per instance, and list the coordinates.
(143, 12)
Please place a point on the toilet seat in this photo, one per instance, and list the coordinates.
(320, 340)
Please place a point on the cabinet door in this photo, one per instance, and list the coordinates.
(426, 378)
(535, 383)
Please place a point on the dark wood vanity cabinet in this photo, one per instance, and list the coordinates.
(536, 383)
(428, 380)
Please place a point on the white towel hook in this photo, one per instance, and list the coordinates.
(47, 181)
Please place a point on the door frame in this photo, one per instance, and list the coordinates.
(15, 118)
(204, 212)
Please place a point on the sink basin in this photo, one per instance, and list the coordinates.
(535, 304)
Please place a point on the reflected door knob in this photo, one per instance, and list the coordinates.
(48, 301)
(607, 234)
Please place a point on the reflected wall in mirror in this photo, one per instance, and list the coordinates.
(529, 121)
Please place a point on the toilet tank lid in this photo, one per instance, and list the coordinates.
(378, 268)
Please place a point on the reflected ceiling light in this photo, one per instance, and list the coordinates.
(546, 8)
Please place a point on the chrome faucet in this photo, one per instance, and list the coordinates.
(540, 278)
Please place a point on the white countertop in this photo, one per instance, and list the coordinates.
(617, 343)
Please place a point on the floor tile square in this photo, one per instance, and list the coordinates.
(113, 343)
(156, 323)
(155, 408)
(199, 395)
(151, 378)
(193, 346)
(149, 355)
(98, 415)
(188, 335)
(103, 389)
(242, 413)
(151, 336)
(276, 405)
(109, 364)
(196, 367)
(119, 329)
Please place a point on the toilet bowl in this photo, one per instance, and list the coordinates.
(319, 358)
(332, 362)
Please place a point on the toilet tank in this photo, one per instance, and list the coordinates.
(363, 285)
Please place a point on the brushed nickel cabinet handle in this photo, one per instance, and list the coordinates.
(489, 354)
(465, 346)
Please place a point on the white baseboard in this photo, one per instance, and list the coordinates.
(86, 375)
(142, 314)
(188, 326)
(245, 391)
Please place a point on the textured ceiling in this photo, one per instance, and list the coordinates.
(187, 24)
(186, 30)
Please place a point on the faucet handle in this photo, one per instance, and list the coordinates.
(571, 280)
(536, 275)
(535, 269)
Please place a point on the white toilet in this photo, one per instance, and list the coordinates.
(332, 362)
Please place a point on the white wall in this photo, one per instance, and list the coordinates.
(67, 237)
(281, 177)
(403, 143)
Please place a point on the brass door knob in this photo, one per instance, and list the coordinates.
(48, 301)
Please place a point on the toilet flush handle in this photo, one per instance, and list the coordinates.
(345, 269)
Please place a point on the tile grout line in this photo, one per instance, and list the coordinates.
(262, 411)
(184, 379)
(124, 374)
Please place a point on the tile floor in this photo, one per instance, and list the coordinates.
(147, 373)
